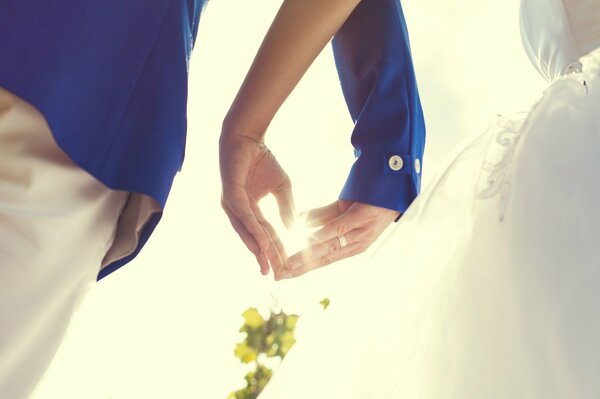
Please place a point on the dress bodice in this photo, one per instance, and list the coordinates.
(557, 33)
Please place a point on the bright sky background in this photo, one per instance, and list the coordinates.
(165, 326)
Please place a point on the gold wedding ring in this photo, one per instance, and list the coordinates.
(342, 241)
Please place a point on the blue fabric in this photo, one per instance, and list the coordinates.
(374, 62)
(111, 79)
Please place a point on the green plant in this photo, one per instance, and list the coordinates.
(265, 345)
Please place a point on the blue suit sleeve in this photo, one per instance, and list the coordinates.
(374, 63)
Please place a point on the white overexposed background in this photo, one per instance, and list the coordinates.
(165, 326)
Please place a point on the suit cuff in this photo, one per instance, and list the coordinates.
(390, 180)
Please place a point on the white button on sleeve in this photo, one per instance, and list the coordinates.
(417, 166)
(396, 163)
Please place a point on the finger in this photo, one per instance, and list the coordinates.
(241, 208)
(249, 241)
(325, 240)
(275, 239)
(263, 261)
(246, 237)
(285, 202)
(339, 226)
(319, 249)
(276, 252)
(350, 250)
(319, 216)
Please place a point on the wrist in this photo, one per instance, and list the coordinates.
(233, 138)
(234, 126)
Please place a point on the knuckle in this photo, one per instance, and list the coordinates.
(224, 205)
(332, 245)
(285, 182)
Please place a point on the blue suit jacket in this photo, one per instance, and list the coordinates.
(111, 79)
(374, 62)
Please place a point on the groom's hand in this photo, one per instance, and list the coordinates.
(348, 229)
(249, 172)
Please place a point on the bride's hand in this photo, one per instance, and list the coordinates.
(249, 172)
(348, 229)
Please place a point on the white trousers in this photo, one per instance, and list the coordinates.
(56, 225)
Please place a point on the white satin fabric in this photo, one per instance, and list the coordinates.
(557, 33)
(488, 285)
(57, 225)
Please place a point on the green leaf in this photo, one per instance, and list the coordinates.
(325, 303)
(271, 338)
(253, 319)
(287, 341)
(245, 353)
(290, 321)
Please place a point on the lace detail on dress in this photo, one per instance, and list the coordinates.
(495, 171)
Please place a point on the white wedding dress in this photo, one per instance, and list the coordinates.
(489, 286)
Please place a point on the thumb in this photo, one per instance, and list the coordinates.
(285, 202)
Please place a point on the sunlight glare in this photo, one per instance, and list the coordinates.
(296, 238)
